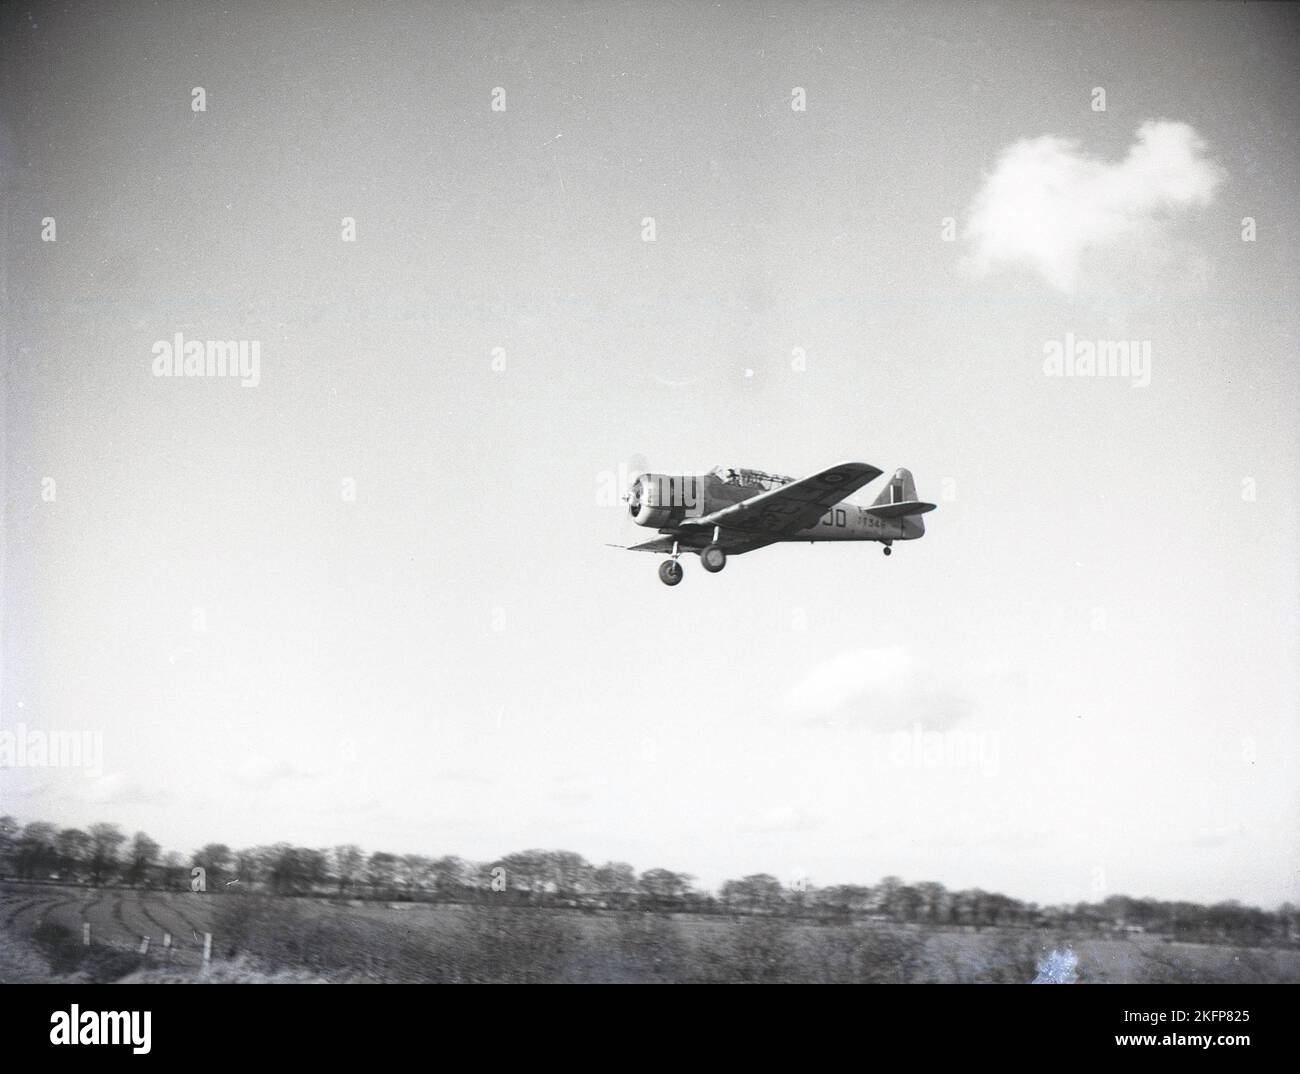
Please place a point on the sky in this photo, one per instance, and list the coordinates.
(370, 598)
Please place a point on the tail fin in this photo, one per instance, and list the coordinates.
(901, 489)
(897, 497)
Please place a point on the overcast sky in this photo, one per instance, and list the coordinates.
(369, 599)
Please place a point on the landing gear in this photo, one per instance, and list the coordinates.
(670, 572)
(888, 551)
(713, 558)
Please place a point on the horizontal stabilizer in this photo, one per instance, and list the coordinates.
(899, 510)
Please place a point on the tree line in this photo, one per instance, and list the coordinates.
(104, 854)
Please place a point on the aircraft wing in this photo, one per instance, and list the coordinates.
(781, 511)
(659, 544)
(735, 543)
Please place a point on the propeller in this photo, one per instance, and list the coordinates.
(633, 497)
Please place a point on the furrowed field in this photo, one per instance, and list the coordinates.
(280, 938)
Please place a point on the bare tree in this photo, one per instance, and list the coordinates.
(217, 861)
(381, 874)
(453, 877)
(759, 893)
(416, 874)
(73, 846)
(616, 882)
(8, 842)
(349, 859)
(37, 853)
(665, 889)
(142, 855)
(104, 842)
(934, 899)
(527, 872)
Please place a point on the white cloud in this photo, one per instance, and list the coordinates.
(117, 788)
(843, 678)
(782, 818)
(1048, 203)
(886, 687)
(264, 771)
(1217, 836)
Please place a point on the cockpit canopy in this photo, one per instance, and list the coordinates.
(751, 479)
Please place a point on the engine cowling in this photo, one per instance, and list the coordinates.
(662, 500)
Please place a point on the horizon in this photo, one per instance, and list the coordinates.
(692, 882)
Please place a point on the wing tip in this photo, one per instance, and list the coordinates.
(858, 463)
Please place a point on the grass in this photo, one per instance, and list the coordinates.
(259, 937)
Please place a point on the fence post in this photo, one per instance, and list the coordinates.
(167, 945)
(207, 948)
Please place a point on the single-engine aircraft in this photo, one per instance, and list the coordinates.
(727, 512)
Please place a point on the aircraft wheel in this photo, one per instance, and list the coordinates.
(670, 572)
(888, 551)
(713, 558)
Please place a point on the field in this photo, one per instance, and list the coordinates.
(262, 938)
(41, 930)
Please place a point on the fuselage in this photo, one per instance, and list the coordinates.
(665, 501)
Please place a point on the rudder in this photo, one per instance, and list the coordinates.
(902, 489)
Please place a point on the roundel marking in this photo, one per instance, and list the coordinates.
(834, 477)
